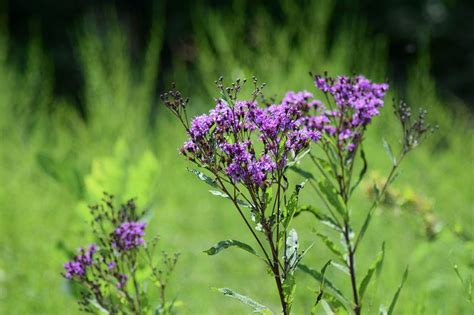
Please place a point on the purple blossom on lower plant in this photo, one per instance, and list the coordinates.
(103, 271)
(129, 235)
(77, 267)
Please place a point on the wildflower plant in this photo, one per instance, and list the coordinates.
(246, 147)
(118, 274)
(350, 105)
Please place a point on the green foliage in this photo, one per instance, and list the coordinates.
(331, 246)
(291, 206)
(331, 196)
(376, 266)
(229, 243)
(330, 287)
(257, 307)
(211, 182)
(388, 148)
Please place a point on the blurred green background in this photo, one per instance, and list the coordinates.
(79, 114)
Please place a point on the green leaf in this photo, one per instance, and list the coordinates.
(298, 158)
(327, 308)
(330, 245)
(229, 243)
(257, 307)
(304, 252)
(395, 297)
(219, 193)
(323, 271)
(203, 177)
(331, 288)
(332, 197)
(341, 268)
(376, 266)
(323, 218)
(362, 171)
(98, 307)
(321, 288)
(389, 151)
(291, 257)
(365, 225)
(328, 167)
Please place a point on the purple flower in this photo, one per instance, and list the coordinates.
(258, 171)
(297, 140)
(226, 138)
(355, 95)
(200, 126)
(74, 268)
(129, 235)
(78, 266)
(317, 122)
(357, 100)
(302, 100)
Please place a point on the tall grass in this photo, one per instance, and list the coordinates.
(54, 161)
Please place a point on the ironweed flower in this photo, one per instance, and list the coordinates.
(247, 142)
(129, 235)
(355, 101)
(77, 267)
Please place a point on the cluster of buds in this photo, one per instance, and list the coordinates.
(176, 103)
(415, 129)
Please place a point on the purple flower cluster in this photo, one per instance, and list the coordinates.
(228, 137)
(78, 266)
(302, 100)
(129, 235)
(244, 165)
(251, 144)
(357, 100)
